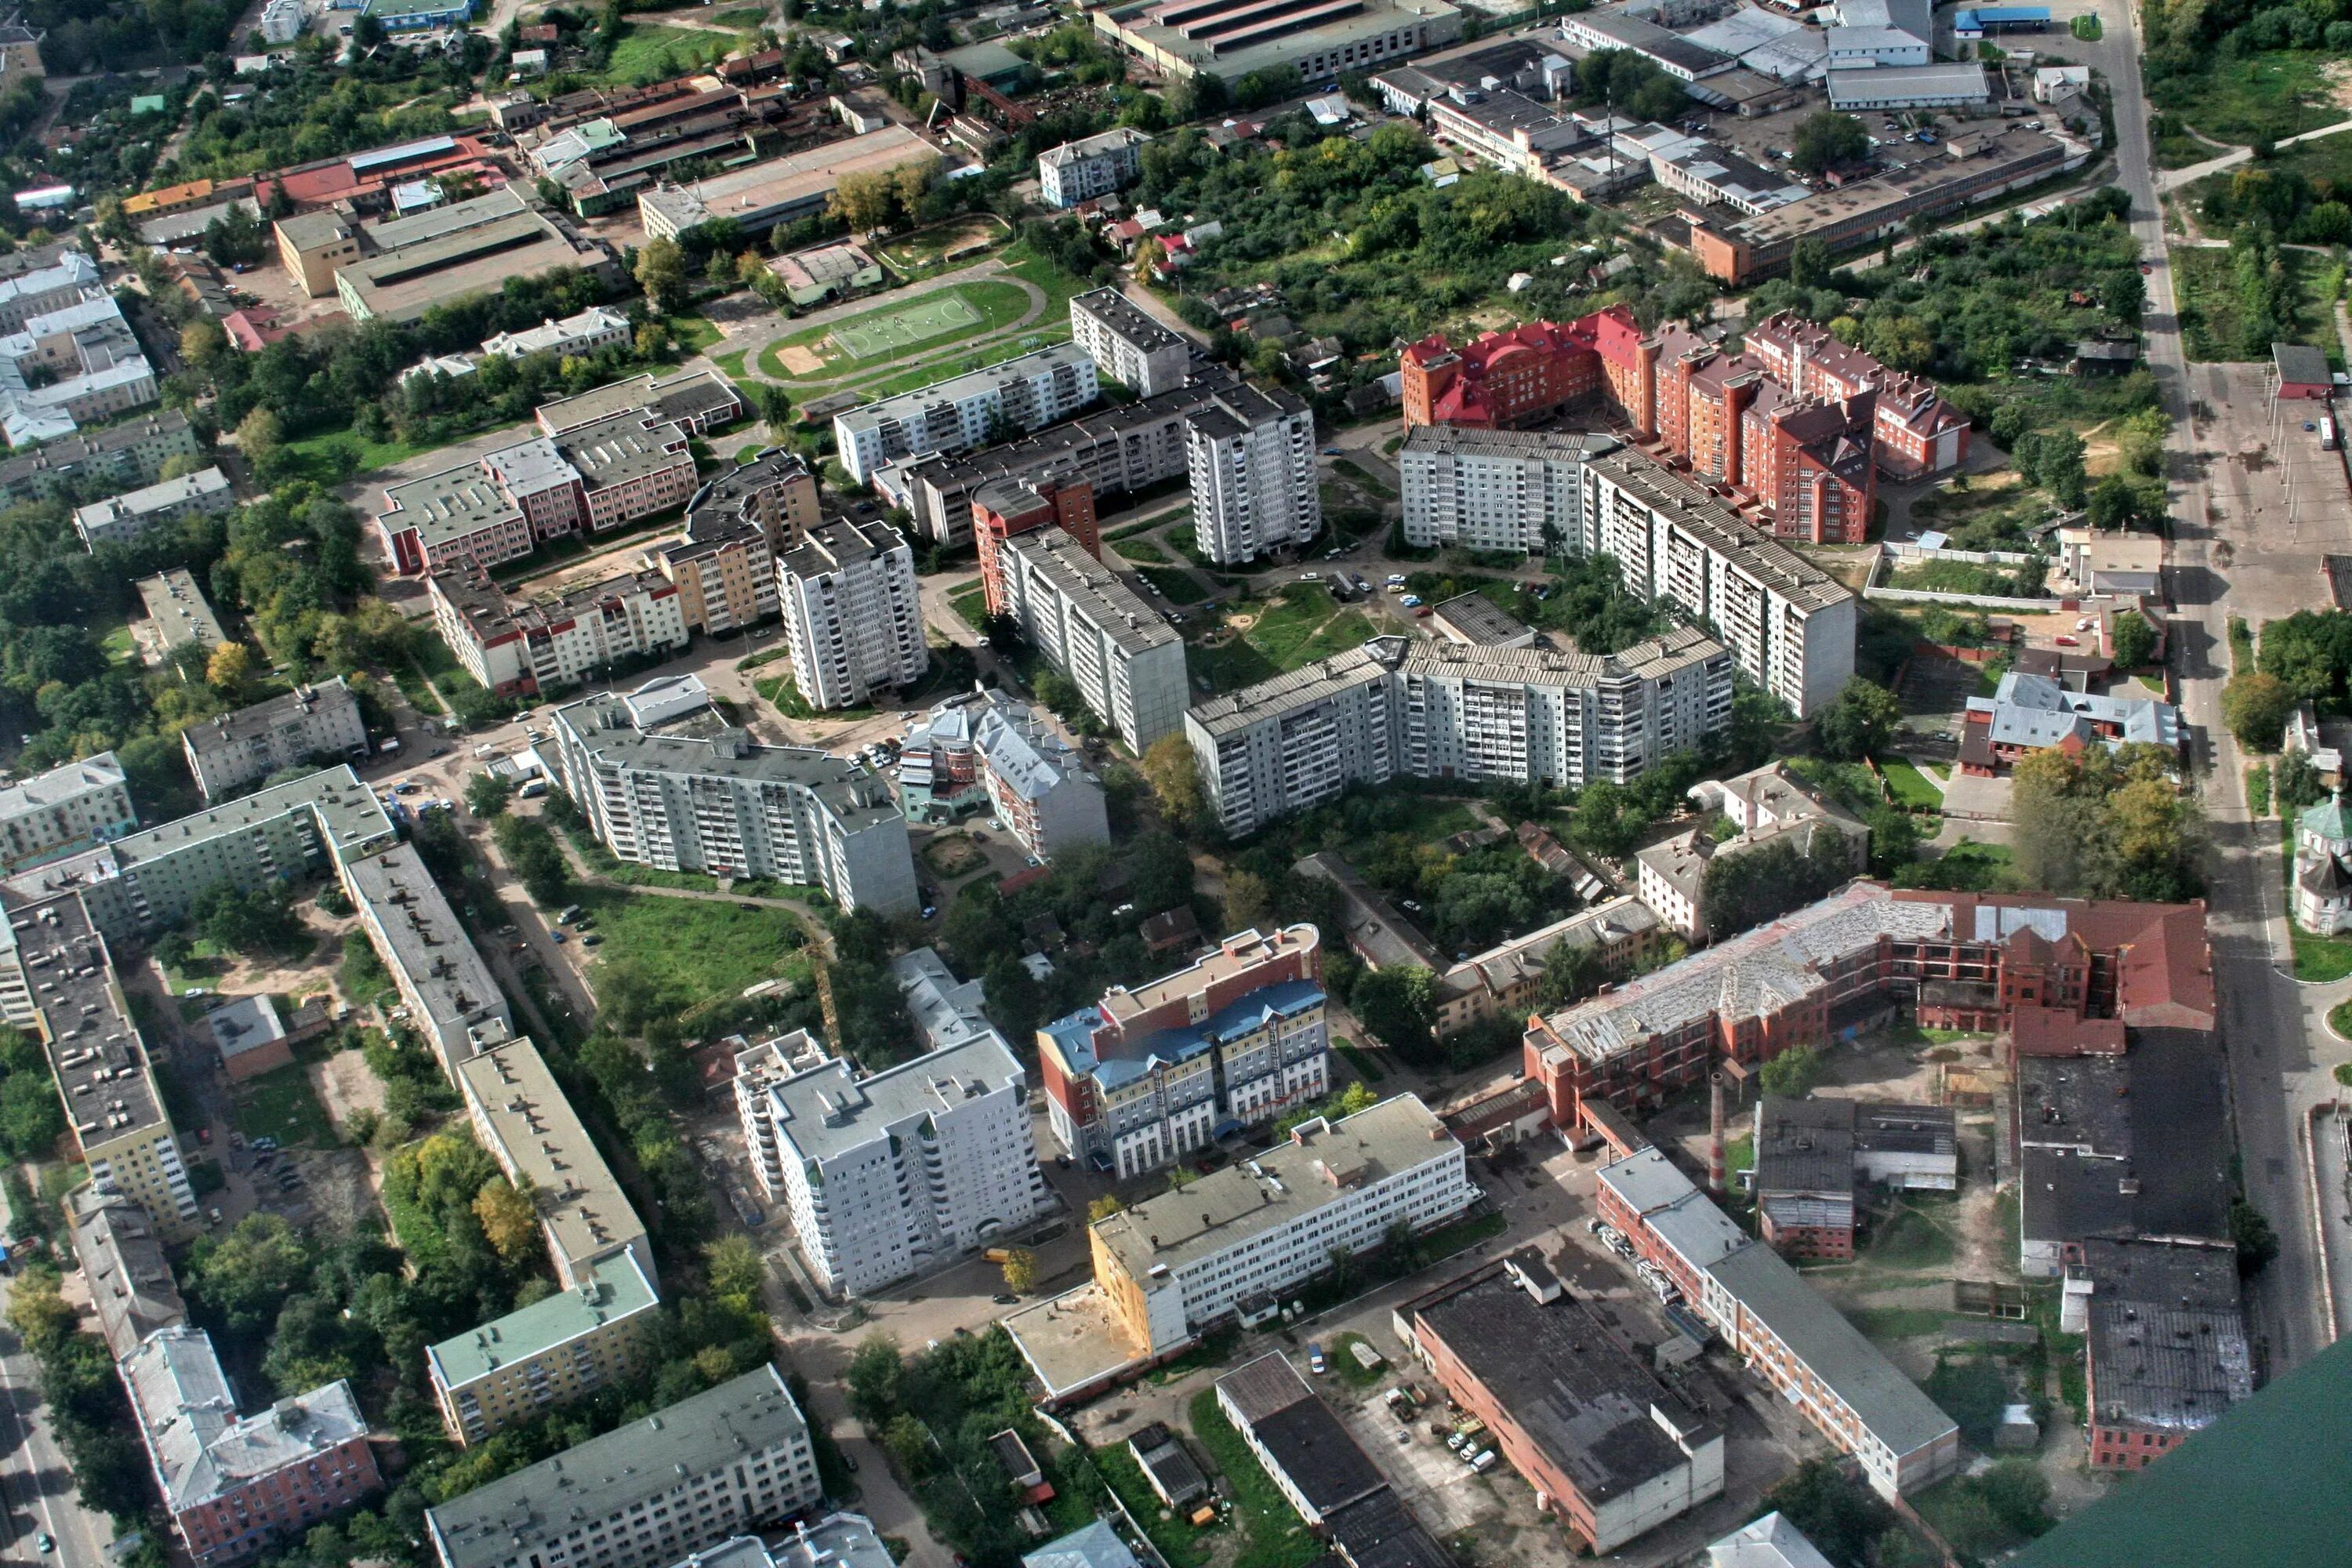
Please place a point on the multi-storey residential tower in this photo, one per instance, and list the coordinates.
(1252, 458)
(851, 615)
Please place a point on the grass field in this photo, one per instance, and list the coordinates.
(1141, 550)
(2211, 323)
(965, 310)
(1913, 1237)
(334, 456)
(1179, 587)
(746, 17)
(1301, 626)
(648, 53)
(1912, 789)
(2320, 958)
(1273, 1535)
(712, 949)
(2245, 99)
(966, 238)
(279, 1104)
(971, 602)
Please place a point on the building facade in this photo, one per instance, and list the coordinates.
(726, 805)
(67, 809)
(1037, 784)
(889, 1175)
(1426, 710)
(1149, 1075)
(1920, 433)
(731, 1460)
(851, 615)
(527, 650)
(1124, 659)
(1483, 489)
(120, 519)
(1252, 458)
(979, 409)
(1129, 346)
(561, 1348)
(1079, 171)
(228, 753)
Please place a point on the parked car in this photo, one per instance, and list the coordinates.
(1314, 1362)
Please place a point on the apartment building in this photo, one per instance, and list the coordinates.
(1019, 394)
(228, 752)
(590, 331)
(63, 811)
(851, 618)
(1174, 1265)
(1110, 451)
(1037, 784)
(1488, 489)
(1500, 380)
(1080, 171)
(120, 519)
(1123, 657)
(892, 1174)
(730, 1459)
(1920, 433)
(178, 616)
(725, 564)
(1251, 455)
(57, 981)
(78, 364)
(696, 401)
(132, 453)
(559, 1349)
(1428, 709)
(143, 881)
(1619, 932)
(517, 649)
(724, 804)
(1793, 1339)
(1790, 625)
(451, 999)
(123, 1260)
(587, 479)
(1610, 1452)
(1767, 805)
(1129, 346)
(521, 1116)
(234, 1484)
(1001, 508)
(2041, 968)
(69, 279)
(774, 493)
(1148, 1074)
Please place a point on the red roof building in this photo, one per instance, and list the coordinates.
(1501, 379)
(255, 328)
(363, 178)
(1919, 432)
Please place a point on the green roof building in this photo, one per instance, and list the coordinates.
(551, 1352)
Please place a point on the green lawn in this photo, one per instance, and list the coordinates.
(1273, 1535)
(2320, 958)
(1913, 1237)
(2243, 100)
(1342, 1360)
(279, 1104)
(1362, 480)
(1912, 789)
(1300, 626)
(999, 304)
(747, 17)
(1360, 1059)
(121, 647)
(730, 365)
(1180, 587)
(334, 456)
(648, 53)
(712, 949)
(1897, 1323)
(2211, 323)
(1141, 550)
(971, 602)
(696, 333)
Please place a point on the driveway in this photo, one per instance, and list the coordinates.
(1970, 798)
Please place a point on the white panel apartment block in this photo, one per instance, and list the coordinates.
(1128, 345)
(977, 409)
(1520, 490)
(1252, 458)
(851, 615)
(1088, 624)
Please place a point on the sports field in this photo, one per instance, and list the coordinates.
(877, 336)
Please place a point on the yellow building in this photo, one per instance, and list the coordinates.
(311, 246)
(546, 1354)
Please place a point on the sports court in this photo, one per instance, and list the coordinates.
(879, 336)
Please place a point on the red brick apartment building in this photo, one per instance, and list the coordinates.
(1919, 432)
(1004, 508)
(1801, 459)
(1968, 960)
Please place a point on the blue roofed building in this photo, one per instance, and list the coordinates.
(2031, 712)
(1151, 1074)
(1989, 21)
(1096, 1546)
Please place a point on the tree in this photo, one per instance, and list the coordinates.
(1572, 971)
(1103, 1207)
(2256, 706)
(2258, 1244)
(1972, 1391)
(508, 1218)
(1861, 722)
(2132, 640)
(873, 1378)
(1827, 141)
(909, 1443)
(1397, 1003)
(230, 668)
(863, 200)
(1793, 1074)
(2295, 783)
(241, 1278)
(1249, 902)
(487, 793)
(1174, 775)
(42, 1317)
(201, 344)
(661, 272)
(1021, 1271)
(1839, 1517)
(260, 434)
(736, 1270)
(1356, 1097)
(775, 407)
(1808, 263)
(251, 921)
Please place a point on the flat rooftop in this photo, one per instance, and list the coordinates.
(1318, 1163)
(429, 948)
(617, 1291)
(608, 731)
(971, 383)
(179, 611)
(95, 1050)
(249, 724)
(1309, 28)
(828, 1111)
(581, 1202)
(348, 814)
(1099, 594)
(1697, 510)
(785, 182)
(1072, 1341)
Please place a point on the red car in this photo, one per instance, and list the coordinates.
(2146, 270)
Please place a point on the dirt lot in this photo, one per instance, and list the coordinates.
(345, 1087)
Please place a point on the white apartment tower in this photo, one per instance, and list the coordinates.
(980, 408)
(1128, 345)
(1428, 709)
(1252, 458)
(851, 615)
(1520, 490)
(1085, 622)
(889, 1175)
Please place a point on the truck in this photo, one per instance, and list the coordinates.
(1314, 1362)
(997, 1253)
(2327, 432)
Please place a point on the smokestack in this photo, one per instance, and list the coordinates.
(1714, 1120)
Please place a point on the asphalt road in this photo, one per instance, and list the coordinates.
(2264, 1025)
(35, 1486)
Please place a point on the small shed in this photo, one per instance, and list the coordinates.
(250, 1036)
(2302, 370)
(2104, 356)
(1171, 1470)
